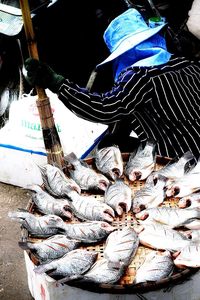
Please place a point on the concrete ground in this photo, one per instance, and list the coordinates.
(13, 278)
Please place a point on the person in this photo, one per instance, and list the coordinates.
(155, 95)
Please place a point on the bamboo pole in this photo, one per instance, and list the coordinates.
(50, 134)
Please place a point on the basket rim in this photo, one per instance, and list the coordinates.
(178, 277)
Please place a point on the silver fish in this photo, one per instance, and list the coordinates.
(100, 273)
(189, 256)
(174, 169)
(51, 248)
(173, 217)
(86, 177)
(74, 263)
(157, 265)
(185, 185)
(46, 204)
(119, 196)
(141, 162)
(87, 232)
(121, 247)
(56, 182)
(109, 161)
(88, 208)
(38, 226)
(193, 234)
(192, 200)
(151, 195)
(158, 236)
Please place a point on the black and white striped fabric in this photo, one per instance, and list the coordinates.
(161, 103)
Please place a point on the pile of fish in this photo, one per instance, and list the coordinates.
(86, 204)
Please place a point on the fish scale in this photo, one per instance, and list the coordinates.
(141, 162)
(109, 161)
(83, 175)
(75, 262)
(118, 195)
(89, 208)
(51, 248)
(155, 267)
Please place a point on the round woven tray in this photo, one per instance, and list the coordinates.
(126, 284)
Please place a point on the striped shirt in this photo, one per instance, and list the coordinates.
(161, 103)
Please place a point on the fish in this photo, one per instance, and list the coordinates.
(51, 248)
(141, 162)
(86, 177)
(157, 265)
(192, 200)
(174, 169)
(121, 246)
(87, 232)
(193, 234)
(185, 185)
(173, 217)
(69, 266)
(119, 196)
(101, 273)
(56, 182)
(37, 226)
(150, 195)
(189, 256)
(161, 237)
(88, 208)
(109, 161)
(47, 204)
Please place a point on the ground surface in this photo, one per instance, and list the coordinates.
(13, 278)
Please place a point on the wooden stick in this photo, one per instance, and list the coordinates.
(50, 134)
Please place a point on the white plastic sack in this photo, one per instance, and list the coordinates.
(76, 134)
(193, 22)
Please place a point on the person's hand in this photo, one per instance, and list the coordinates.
(41, 75)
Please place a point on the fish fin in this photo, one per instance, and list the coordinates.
(44, 177)
(69, 278)
(115, 265)
(42, 170)
(135, 151)
(190, 161)
(43, 268)
(20, 209)
(15, 215)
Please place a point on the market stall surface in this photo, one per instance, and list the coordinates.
(13, 279)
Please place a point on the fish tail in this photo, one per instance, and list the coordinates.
(34, 187)
(42, 169)
(42, 268)
(25, 245)
(151, 142)
(188, 155)
(71, 157)
(18, 215)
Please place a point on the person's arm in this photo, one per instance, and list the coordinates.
(105, 108)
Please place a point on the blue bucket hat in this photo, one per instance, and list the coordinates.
(127, 31)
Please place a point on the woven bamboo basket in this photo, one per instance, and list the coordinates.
(126, 284)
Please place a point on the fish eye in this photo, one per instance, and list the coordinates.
(138, 175)
(176, 190)
(116, 172)
(188, 202)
